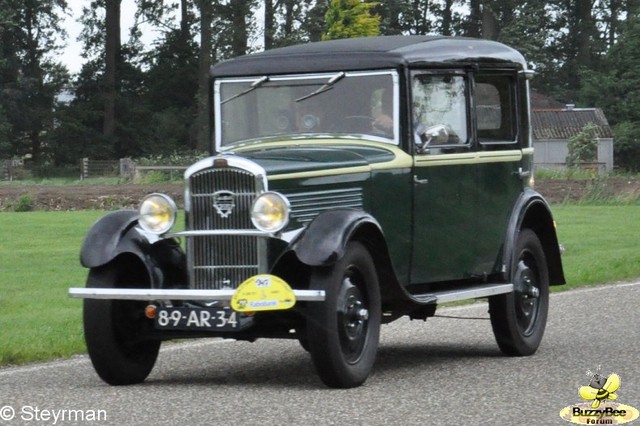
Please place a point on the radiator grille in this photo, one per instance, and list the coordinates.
(218, 262)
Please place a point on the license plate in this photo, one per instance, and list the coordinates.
(195, 318)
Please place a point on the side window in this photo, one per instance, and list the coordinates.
(496, 108)
(440, 110)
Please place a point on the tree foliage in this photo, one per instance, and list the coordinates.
(30, 77)
(351, 18)
(585, 52)
(583, 147)
(614, 88)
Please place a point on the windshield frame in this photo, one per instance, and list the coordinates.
(217, 133)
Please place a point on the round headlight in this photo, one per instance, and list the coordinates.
(270, 212)
(157, 213)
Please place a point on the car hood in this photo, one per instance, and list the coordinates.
(298, 159)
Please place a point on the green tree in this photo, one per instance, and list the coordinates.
(583, 147)
(171, 79)
(314, 23)
(112, 59)
(233, 24)
(445, 17)
(351, 18)
(626, 146)
(5, 136)
(613, 87)
(205, 58)
(84, 116)
(297, 21)
(30, 76)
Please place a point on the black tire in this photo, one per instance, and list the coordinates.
(519, 318)
(304, 343)
(115, 332)
(344, 330)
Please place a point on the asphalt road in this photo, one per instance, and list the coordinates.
(445, 371)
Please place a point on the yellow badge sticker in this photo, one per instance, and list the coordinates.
(263, 293)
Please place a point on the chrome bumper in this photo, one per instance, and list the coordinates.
(176, 294)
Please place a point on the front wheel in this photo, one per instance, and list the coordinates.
(115, 331)
(343, 331)
(519, 318)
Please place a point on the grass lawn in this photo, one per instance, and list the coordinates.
(601, 243)
(39, 261)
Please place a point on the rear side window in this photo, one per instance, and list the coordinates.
(496, 108)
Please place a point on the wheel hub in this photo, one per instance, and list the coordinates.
(527, 296)
(353, 317)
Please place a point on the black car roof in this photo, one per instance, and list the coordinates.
(368, 53)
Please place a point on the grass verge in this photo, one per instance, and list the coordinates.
(39, 261)
(601, 243)
(40, 250)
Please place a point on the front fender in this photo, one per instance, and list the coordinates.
(110, 236)
(325, 239)
(116, 236)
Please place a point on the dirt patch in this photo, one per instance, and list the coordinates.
(111, 197)
(558, 191)
(81, 197)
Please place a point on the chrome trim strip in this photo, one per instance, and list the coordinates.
(176, 294)
(472, 293)
(233, 161)
(289, 236)
(221, 232)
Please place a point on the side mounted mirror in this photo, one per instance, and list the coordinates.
(434, 135)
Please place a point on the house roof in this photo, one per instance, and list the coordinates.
(567, 122)
(369, 53)
(540, 101)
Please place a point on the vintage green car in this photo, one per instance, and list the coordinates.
(352, 183)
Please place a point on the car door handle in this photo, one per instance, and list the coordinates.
(419, 181)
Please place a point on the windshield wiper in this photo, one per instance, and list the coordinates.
(333, 80)
(257, 83)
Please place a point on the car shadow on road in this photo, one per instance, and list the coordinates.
(293, 368)
(408, 356)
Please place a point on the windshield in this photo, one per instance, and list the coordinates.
(362, 104)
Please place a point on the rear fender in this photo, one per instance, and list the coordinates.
(533, 212)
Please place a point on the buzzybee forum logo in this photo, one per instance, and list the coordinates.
(600, 408)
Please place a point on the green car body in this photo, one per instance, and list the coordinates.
(377, 178)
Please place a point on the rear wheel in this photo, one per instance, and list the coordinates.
(344, 330)
(116, 331)
(519, 318)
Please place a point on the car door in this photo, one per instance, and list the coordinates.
(444, 177)
(500, 165)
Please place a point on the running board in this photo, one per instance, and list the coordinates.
(467, 293)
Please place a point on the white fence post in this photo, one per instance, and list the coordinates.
(84, 168)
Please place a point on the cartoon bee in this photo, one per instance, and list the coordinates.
(600, 389)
